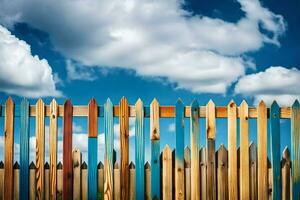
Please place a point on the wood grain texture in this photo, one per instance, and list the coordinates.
(203, 174)
(92, 149)
(24, 149)
(286, 174)
(59, 180)
(100, 180)
(222, 173)
(253, 171)
(40, 149)
(244, 151)
(53, 147)
(117, 188)
(165, 112)
(8, 148)
(147, 181)
(232, 151)
(132, 184)
(16, 181)
(187, 172)
(67, 192)
(155, 149)
(275, 150)
(295, 149)
(139, 150)
(210, 146)
(32, 182)
(262, 155)
(179, 151)
(195, 158)
(84, 181)
(167, 173)
(109, 146)
(77, 174)
(47, 181)
(124, 150)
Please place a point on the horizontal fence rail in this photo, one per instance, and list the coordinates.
(243, 171)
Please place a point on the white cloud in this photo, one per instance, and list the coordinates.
(275, 83)
(76, 71)
(22, 73)
(154, 38)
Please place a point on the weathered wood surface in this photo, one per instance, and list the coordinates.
(253, 171)
(32, 182)
(262, 155)
(167, 173)
(67, 192)
(47, 181)
(9, 149)
(244, 151)
(203, 174)
(109, 146)
(16, 177)
(132, 181)
(195, 158)
(77, 174)
(286, 175)
(117, 187)
(295, 149)
(210, 153)
(1, 180)
(24, 149)
(155, 149)
(232, 151)
(53, 147)
(84, 181)
(187, 173)
(275, 151)
(92, 149)
(100, 180)
(222, 173)
(147, 181)
(40, 149)
(124, 147)
(59, 180)
(139, 150)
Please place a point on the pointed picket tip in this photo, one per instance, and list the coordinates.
(167, 148)
(274, 105)
(100, 165)
(84, 165)
(116, 165)
(123, 100)
(195, 103)
(24, 101)
(47, 166)
(252, 145)
(222, 148)
(68, 102)
(9, 100)
(286, 153)
(39, 101)
(32, 165)
(147, 165)
(53, 101)
(59, 165)
(296, 104)
(16, 165)
(108, 101)
(231, 104)
(211, 103)
(187, 149)
(139, 103)
(131, 165)
(154, 102)
(92, 102)
(244, 104)
(179, 102)
(262, 104)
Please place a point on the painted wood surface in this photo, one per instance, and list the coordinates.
(40, 148)
(286, 175)
(109, 146)
(77, 174)
(167, 173)
(253, 171)
(67, 192)
(24, 149)
(195, 176)
(187, 171)
(92, 149)
(275, 150)
(179, 150)
(139, 150)
(210, 146)
(262, 155)
(155, 149)
(222, 173)
(232, 151)
(295, 149)
(244, 151)
(124, 150)
(53, 147)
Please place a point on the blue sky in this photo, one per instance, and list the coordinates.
(218, 50)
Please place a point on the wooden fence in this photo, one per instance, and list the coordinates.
(243, 172)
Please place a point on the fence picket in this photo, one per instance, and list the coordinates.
(77, 174)
(155, 149)
(24, 149)
(203, 174)
(16, 176)
(59, 180)
(167, 173)
(67, 192)
(92, 148)
(32, 183)
(262, 157)
(244, 151)
(9, 148)
(124, 147)
(1, 180)
(275, 150)
(84, 181)
(132, 181)
(100, 180)
(117, 188)
(109, 146)
(47, 181)
(139, 150)
(187, 171)
(232, 151)
(286, 174)
(53, 147)
(40, 148)
(210, 146)
(253, 171)
(195, 177)
(147, 181)
(179, 150)
(222, 172)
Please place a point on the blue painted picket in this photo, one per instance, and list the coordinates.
(24, 149)
(140, 150)
(275, 149)
(295, 151)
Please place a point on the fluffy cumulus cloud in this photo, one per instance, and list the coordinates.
(22, 73)
(154, 38)
(275, 83)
